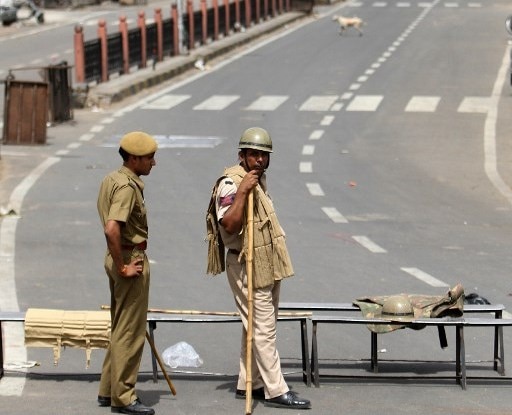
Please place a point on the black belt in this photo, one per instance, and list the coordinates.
(234, 251)
(142, 246)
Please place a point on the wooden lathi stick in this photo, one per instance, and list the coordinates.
(216, 313)
(250, 306)
(155, 353)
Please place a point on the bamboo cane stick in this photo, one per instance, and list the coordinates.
(155, 352)
(216, 313)
(250, 306)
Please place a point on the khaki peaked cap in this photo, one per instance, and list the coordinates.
(138, 143)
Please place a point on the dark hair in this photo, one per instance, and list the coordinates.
(124, 154)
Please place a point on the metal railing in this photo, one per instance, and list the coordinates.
(130, 49)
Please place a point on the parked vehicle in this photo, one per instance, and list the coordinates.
(9, 11)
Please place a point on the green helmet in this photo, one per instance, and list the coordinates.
(256, 138)
(397, 307)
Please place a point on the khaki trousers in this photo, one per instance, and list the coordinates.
(266, 365)
(129, 299)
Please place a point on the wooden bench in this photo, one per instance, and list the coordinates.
(154, 318)
(458, 323)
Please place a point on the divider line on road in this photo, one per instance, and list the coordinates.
(14, 335)
(490, 157)
(423, 276)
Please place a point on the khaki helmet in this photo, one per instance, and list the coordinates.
(397, 307)
(256, 138)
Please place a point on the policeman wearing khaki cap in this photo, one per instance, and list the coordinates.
(122, 213)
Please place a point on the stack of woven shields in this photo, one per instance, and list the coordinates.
(60, 328)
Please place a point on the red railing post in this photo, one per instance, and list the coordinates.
(215, 5)
(102, 35)
(288, 5)
(226, 15)
(237, 12)
(247, 13)
(265, 9)
(141, 23)
(123, 29)
(175, 29)
(280, 6)
(204, 21)
(159, 35)
(257, 12)
(190, 11)
(79, 54)
(273, 5)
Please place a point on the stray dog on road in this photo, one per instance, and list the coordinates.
(347, 22)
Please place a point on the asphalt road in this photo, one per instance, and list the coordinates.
(390, 174)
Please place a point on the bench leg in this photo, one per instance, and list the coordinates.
(499, 353)
(501, 357)
(460, 365)
(306, 366)
(152, 327)
(374, 365)
(314, 357)
(1, 352)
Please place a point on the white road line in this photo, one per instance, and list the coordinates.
(97, 128)
(365, 103)
(217, 102)
(327, 120)
(334, 215)
(166, 102)
(423, 276)
(475, 104)
(316, 135)
(308, 150)
(267, 103)
(369, 244)
(318, 103)
(490, 163)
(306, 167)
(422, 104)
(86, 137)
(315, 189)
(15, 350)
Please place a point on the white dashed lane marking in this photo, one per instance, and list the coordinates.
(423, 276)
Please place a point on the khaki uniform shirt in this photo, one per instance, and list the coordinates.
(121, 199)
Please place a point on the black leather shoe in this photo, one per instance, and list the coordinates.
(288, 400)
(257, 394)
(135, 408)
(104, 400)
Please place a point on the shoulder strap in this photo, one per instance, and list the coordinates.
(216, 258)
